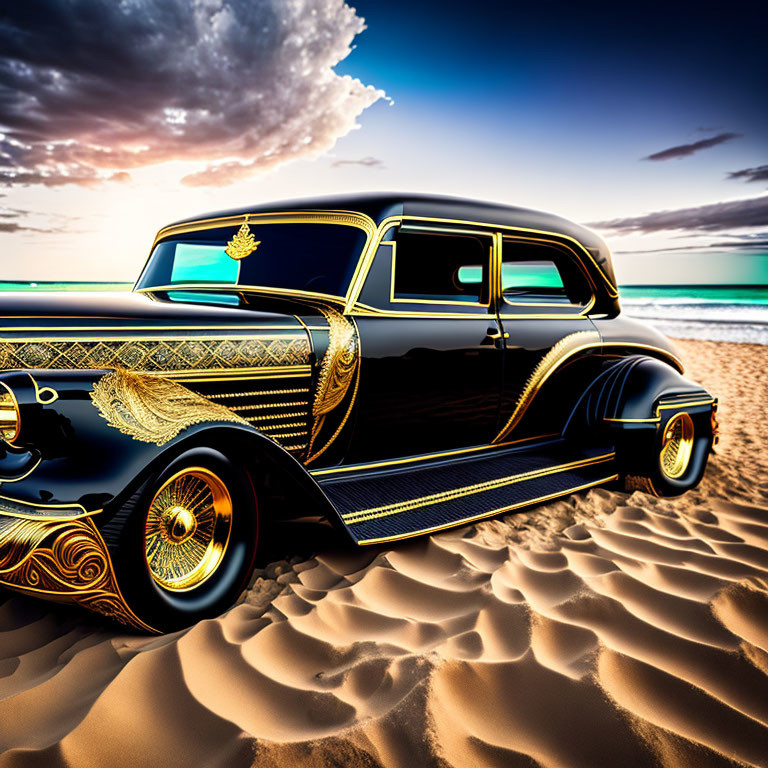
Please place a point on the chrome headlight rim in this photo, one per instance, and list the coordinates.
(10, 414)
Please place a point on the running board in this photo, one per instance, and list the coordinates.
(382, 504)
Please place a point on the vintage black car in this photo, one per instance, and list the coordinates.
(373, 367)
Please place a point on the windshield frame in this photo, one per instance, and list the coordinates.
(343, 218)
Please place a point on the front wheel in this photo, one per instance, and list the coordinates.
(185, 544)
(676, 458)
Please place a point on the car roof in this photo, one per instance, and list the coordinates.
(379, 206)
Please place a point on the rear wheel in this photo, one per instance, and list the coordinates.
(186, 545)
(678, 455)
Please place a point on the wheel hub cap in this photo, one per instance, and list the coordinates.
(677, 445)
(187, 530)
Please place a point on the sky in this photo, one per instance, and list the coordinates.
(647, 122)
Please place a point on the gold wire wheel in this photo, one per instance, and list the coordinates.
(187, 529)
(677, 445)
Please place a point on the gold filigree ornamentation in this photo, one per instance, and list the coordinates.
(152, 409)
(639, 483)
(558, 354)
(242, 244)
(156, 355)
(337, 370)
(63, 561)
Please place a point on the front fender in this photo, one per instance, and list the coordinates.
(74, 454)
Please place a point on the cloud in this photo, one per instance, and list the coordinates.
(92, 89)
(684, 150)
(759, 173)
(717, 217)
(371, 162)
(11, 227)
(11, 221)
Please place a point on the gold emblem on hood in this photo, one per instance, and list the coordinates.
(242, 244)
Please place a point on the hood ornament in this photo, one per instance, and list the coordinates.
(242, 244)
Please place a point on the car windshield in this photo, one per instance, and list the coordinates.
(313, 257)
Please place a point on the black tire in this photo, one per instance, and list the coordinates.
(167, 606)
(661, 471)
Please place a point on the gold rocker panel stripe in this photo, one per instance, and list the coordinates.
(489, 513)
(157, 355)
(153, 409)
(456, 493)
(63, 561)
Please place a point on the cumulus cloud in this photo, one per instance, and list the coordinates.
(91, 89)
(759, 173)
(717, 217)
(684, 150)
(370, 162)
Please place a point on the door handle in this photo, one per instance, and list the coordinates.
(494, 334)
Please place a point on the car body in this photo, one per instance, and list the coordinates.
(371, 367)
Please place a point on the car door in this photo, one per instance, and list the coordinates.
(545, 294)
(431, 370)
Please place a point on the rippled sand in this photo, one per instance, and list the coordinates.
(603, 629)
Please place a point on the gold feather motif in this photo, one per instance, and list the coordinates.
(153, 409)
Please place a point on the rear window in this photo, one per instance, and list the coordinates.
(541, 273)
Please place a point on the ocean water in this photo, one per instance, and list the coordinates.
(711, 312)
(44, 285)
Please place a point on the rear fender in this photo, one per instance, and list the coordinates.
(631, 400)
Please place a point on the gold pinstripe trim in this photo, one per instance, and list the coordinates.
(263, 406)
(259, 393)
(426, 456)
(663, 406)
(292, 425)
(276, 416)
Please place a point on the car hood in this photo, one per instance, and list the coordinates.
(148, 334)
(53, 311)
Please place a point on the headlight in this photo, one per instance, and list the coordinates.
(10, 418)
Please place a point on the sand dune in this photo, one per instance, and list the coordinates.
(603, 629)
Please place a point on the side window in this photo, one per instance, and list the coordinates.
(440, 268)
(541, 273)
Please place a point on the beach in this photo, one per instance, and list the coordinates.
(604, 628)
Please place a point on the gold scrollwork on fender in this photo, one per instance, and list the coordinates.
(156, 355)
(64, 561)
(558, 354)
(337, 370)
(152, 409)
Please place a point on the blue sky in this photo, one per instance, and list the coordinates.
(550, 105)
